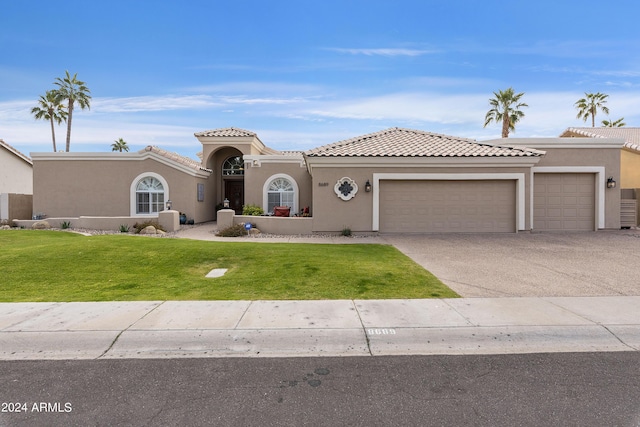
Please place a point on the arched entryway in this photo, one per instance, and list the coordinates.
(227, 179)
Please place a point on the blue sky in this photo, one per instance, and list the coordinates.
(307, 73)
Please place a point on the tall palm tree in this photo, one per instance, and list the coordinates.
(506, 110)
(120, 145)
(589, 105)
(72, 90)
(614, 124)
(50, 108)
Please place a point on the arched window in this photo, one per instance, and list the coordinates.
(281, 192)
(149, 196)
(233, 166)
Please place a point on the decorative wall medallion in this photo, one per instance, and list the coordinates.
(346, 188)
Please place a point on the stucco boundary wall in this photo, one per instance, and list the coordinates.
(90, 222)
(267, 224)
(13, 205)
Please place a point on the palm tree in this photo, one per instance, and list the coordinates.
(506, 110)
(49, 108)
(120, 145)
(72, 90)
(589, 105)
(614, 124)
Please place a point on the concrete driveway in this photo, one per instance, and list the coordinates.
(530, 264)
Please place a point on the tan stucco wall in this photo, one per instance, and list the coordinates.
(16, 175)
(73, 188)
(629, 168)
(16, 206)
(332, 214)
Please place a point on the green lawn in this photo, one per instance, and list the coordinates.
(60, 266)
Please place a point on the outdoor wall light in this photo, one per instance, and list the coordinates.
(611, 183)
(169, 204)
(225, 203)
(367, 186)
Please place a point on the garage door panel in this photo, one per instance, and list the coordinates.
(449, 206)
(564, 201)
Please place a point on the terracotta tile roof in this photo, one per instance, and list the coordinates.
(225, 132)
(630, 135)
(16, 152)
(193, 164)
(399, 142)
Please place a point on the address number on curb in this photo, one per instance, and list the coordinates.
(381, 331)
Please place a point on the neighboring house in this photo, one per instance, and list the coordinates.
(16, 183)
(393, 181)
(16, 171)
(630, 155)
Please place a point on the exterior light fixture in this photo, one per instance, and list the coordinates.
(169, 204)
(367, 186)
(611, 183)
(225, 203)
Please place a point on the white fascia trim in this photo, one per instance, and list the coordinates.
(564, 142)
(600, 186)
(394, 162)
(259, 159)
(518, 177)
(132, 192)
(122, 157)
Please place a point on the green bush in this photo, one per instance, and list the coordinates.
(346, 232)
(139, 227)
(254, 210)
(124, 228)
(65, 225)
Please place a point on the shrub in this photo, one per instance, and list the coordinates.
(237, 230)
(346, 232)
(139, 227)
(254, 210)
(124, 228)
(65, 225)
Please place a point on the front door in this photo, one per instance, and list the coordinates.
(234, 191)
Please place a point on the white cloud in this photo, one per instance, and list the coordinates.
(151, 103)
(383, 51)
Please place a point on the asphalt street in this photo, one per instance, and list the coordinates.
(582, 389)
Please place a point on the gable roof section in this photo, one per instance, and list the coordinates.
(175, 157)
(15, 152)
(226, 132)
(630, 135)
(399, 142)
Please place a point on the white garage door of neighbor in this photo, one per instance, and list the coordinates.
(564, 201)
(448, 206)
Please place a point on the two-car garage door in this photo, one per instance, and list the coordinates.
(433, 206)
(561, 201)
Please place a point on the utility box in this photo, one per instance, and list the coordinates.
(628, 208)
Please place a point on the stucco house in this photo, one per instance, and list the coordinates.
(392, 181)
(629, 156)
(16, 182)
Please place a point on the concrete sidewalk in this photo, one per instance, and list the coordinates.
(173, 329)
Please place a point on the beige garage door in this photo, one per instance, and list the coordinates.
(447, 206)
(564, 201)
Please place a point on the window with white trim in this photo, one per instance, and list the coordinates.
(149, 196)
(280, 193)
